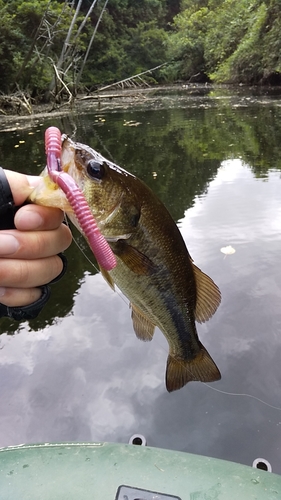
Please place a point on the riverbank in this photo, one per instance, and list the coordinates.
(20, 116)
(180, 95)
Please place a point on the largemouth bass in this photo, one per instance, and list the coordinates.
(154, 269)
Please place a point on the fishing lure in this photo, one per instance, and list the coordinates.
(75, 197)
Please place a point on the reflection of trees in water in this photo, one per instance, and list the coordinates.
(184, 146)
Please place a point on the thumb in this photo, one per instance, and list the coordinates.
(21, 185)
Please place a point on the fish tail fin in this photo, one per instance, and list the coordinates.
(181, 371)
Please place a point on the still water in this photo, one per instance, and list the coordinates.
(78, 372)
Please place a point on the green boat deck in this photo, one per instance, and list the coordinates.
(96, 471)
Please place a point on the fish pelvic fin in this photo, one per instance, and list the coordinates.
(144, 328)
(181, 371)
(208, 296)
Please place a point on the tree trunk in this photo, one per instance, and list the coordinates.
(90, 44)
(65, 45)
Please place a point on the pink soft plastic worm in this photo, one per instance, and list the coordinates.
(97, 242)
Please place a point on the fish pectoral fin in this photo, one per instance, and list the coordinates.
(180, 371)
(135, 260)
(144, 328)
(107, 278)
(208, 296)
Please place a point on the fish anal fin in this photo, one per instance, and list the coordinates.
(107, 278)
(135, 260)
(208, 296)
(180, 371)
(143, 327)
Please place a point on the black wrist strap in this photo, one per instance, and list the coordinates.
(7, 206)
(27, 312)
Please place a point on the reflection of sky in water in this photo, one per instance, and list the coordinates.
(88, 378)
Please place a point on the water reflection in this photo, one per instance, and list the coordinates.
(79, 373)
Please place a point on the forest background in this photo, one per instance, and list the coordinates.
(87, 44)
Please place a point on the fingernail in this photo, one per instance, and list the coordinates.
(27, 219)
(8, 244)
(2, 291)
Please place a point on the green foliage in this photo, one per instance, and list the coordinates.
(11, 40)
(235, 41)
(227, 25)
(132, 38)
(186, 45)
(242, 62)
(146, 46)
(30, 39)
(271, 50)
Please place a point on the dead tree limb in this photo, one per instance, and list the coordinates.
(71, 97)
(78, 78)
(15, 103)
(131, 78)
(66, 44)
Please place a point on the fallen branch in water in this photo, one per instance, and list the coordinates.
(97, 97)
(132, 80)
(15, 103)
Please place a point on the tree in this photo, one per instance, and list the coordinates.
(227, 40)
(186, 43)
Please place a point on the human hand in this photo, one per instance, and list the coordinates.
(28, 254)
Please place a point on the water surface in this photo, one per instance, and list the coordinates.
(79, 373)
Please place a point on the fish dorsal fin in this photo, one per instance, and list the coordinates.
(107, 278)
(135, 260)
(144, 328)
(208, 296)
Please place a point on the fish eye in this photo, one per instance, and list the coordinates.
(95, 170)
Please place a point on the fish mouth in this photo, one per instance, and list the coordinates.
(68, 163)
